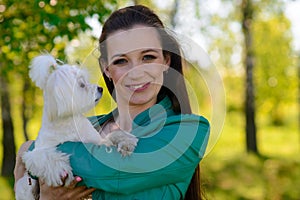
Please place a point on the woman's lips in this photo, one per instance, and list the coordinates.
(138, 87)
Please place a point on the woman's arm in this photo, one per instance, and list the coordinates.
(20, 166)
(166, 157)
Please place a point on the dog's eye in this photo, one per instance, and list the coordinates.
(82, 85)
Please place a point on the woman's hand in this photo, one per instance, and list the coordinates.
(20, 166)
(65, 192)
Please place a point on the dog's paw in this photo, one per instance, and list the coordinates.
(49, 165)
(61, 173)
(127, 146)
(59, 176)
(125, 142)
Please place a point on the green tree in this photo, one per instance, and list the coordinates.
(268, 47)
(276, 78)
(248, 27)
(27, 28)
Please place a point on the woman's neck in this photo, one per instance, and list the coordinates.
(128, 113)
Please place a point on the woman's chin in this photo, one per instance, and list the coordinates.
(142, 99)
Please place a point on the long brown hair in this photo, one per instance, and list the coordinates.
(174, 85)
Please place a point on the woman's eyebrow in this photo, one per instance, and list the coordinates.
(144, 51)
(118, 55)
(151, 50)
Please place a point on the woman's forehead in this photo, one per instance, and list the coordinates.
(136, 38)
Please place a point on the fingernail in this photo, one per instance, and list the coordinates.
(78, 178)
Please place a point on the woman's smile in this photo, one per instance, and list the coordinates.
(138, 87)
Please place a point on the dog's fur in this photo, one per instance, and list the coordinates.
(67, 94)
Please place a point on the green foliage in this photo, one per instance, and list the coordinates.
(29, 27)
(275, 69)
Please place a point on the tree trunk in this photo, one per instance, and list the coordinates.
(173, 13)
(8, 141)
(247, 11)
(25, 111)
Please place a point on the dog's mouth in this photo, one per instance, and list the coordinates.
(97, 100)
(98, 94)
(98, 97)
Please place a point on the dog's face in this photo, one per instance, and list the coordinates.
(68, 91)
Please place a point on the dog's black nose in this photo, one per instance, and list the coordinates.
(100, 89)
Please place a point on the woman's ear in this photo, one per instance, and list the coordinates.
(167, 61)
(106, 72)
(104, 67)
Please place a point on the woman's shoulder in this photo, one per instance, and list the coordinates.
(190, 128)
(190, 119)
(25, 146)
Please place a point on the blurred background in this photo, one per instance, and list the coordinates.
(254, 47)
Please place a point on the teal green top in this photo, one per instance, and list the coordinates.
(169, 149)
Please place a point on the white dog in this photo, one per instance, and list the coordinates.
(67, 94)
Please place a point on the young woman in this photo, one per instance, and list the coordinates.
(142, 67)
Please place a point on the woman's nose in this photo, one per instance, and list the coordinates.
(136, 71)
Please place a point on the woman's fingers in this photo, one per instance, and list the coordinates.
(86, 192)
(78, 191)
(76, 180)
(72, 185)
(65, 192)
(81, 191)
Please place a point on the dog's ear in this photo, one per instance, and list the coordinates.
(57, 99)
(40, 68)
(50, 105)
(58, 93)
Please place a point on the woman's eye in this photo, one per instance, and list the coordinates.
(119, 61)
(149, 57)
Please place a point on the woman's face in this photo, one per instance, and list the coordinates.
(135, 63)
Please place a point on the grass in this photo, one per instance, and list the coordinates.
(251, 177)
(228, 172)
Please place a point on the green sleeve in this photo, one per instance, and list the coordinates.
(168, 156)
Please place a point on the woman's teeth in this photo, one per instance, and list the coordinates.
(136, 86)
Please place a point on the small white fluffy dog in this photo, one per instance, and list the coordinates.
(67, 94)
